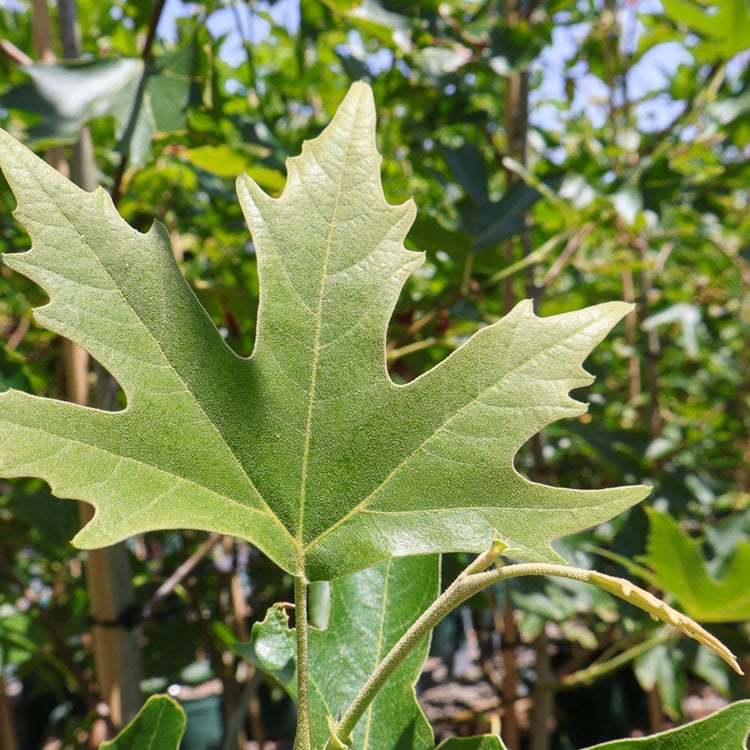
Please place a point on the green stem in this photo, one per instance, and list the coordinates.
(596, 671)
(302, 740)
(472, 580)
(454, 595)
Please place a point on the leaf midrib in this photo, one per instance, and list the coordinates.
(379, 649)
(317, 349)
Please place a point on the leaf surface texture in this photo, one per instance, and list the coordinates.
(306, 449)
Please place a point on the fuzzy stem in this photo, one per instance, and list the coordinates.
(302, 740)
(454, 595)
(472, 580)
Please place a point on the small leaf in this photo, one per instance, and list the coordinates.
(725, 730)
(273, 648)
(680, 568)
(370, 611)
(159, 724)
(639, 597)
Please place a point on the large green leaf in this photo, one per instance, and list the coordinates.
(160, 723)
(370, 611)
(725, 730)
(680, 568)
(307, 448)
(144, 98)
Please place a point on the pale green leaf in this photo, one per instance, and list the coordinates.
(725, 730)
(681, 569)
(370, 611)
(159, 724)
(306, 449)
(273, 648)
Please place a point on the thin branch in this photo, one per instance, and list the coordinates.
(13, 53)
(567, 253)
(179, 575)
(600, 669)
(153, 22)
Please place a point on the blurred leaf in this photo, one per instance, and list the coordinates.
(467, 166)
(724, 25)
(680, 568)
(145, 99)
(659, 668)
(226, 161)
(687, 316)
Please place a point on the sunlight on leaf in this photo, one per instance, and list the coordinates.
(306, 449)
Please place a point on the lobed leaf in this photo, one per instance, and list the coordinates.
(306, 449)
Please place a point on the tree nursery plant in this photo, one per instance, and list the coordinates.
(307, 449)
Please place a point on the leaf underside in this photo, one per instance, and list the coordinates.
(306, 449)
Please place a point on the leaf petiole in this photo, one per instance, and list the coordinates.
(302, 739)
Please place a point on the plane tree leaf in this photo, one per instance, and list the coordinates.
(727, 729)
(144, 98)
(370, 611)
(680, 568)
(160, 723)
(306, 449)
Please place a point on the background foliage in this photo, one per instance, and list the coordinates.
(568, 152)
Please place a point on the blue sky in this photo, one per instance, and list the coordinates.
(651, 73)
